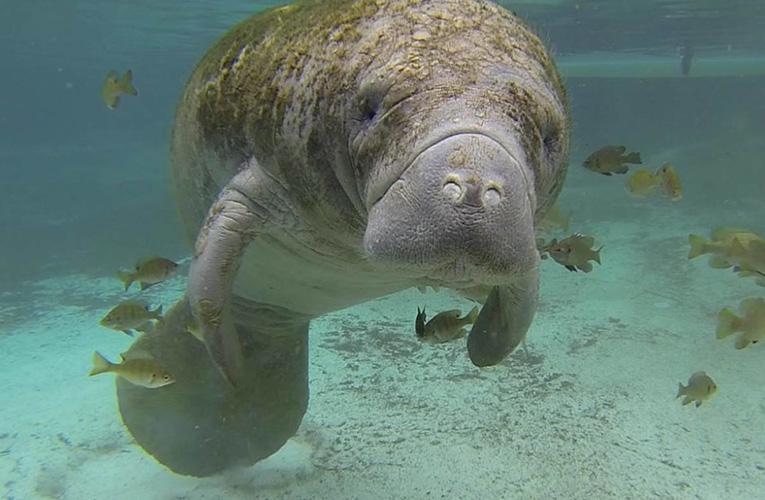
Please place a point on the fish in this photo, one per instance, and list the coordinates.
(670, 182)
(553, 220)
(419, 322)
(642, 183)
(751, 322)
(114, 87)
(749, 260)
(611, 160)
(574, 253)
(444, 326)
(720, 245)
(137, 369)
(131, 315)
(700, 388)
(148, 272)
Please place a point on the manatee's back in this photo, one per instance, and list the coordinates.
(236, 94)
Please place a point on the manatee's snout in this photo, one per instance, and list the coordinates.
(465, 202)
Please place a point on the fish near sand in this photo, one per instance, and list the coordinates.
(574, 253)
(611, 160)
(419, 322)
(700, 388)
(143, 371)
(751, 323)
(642, 183)
(721, 245)
(114, 87)
(748, 259)
(149, 272)
(444, 326)
(670, 182)
(131, 315)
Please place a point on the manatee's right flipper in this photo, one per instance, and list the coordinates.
(503, 321)
(246, 208)
(200, 424)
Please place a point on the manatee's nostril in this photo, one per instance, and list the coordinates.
(452, 190)
(492, 197)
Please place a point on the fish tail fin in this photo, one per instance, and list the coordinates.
(473, 314)
(597, 254)
(100, 364)
(728, 323)
(127, 83)
(680, 390)
(126, 278)
(697, 245)
(633, 157)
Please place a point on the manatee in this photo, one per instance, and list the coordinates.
(329, 153)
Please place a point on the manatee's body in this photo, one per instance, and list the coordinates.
(329, 153)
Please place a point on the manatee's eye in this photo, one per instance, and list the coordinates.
(166, 377)
(369, 110)
(550, 131)
(370, 100)
(551, 141)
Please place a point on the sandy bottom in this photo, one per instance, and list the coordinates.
(587, 412)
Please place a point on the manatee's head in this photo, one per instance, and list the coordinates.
(460, 142)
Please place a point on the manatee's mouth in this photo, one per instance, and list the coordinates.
(376, 193)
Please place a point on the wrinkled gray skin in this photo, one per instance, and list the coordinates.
(329, 153)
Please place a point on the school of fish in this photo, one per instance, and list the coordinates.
(133, 315)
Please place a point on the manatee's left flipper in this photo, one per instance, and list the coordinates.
(232, 222)
(503, 321)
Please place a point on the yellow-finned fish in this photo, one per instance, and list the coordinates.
(727, 245)
(131, 315)
(751, 323)
(143, 371)
(114, 87)
(444, 326)
(670, 182)
(611, 160)
(749, 259)
(148, 272)
(642, 183)
(700, 388)
(574, 253)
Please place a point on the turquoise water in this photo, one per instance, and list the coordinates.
(587, 411)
